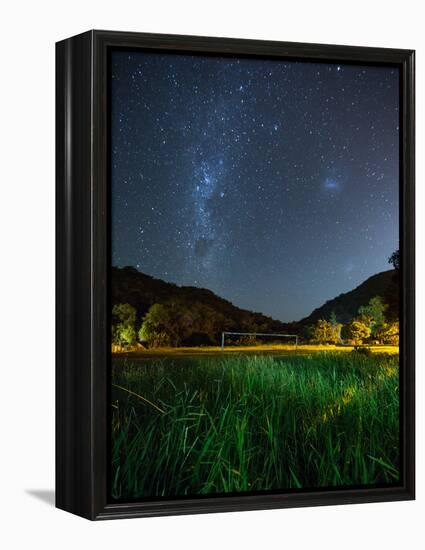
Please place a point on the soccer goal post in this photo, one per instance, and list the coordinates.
(259, 334)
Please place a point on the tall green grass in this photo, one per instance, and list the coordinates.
(247, 423)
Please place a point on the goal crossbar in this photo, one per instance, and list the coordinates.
(223, 335)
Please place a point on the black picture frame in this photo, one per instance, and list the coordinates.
(83, 258)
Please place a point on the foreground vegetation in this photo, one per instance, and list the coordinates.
(246, 423)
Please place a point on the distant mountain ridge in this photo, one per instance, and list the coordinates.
(346, 305)
(142, 291)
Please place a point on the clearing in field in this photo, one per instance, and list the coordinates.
(264, 349)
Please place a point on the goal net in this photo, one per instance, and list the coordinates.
(257, 339)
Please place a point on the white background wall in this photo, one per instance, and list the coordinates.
(29, 30)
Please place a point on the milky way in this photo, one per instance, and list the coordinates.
(272, 183)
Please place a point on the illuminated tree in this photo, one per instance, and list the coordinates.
(357, 331)
(123, 324)
(373, 314)
(336, 328)
(157, 329)
(326, 332)
(127, 335)
(322, 331)
(389, 334)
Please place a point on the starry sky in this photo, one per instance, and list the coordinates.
(272, 183)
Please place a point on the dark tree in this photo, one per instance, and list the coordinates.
(394, 259)
(393, 291)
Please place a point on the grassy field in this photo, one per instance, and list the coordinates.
(230, 423)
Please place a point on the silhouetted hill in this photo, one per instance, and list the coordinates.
(346, 305)
(141, 291)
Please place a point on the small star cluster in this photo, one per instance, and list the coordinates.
(273, 183)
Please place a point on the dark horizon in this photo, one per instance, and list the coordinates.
(274, 184)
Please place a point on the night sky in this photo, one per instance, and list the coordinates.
(272, 183)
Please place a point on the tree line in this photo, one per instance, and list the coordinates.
(176, 324)
(369, 326)
(169, 324)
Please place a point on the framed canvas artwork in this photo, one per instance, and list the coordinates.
(235, 274)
